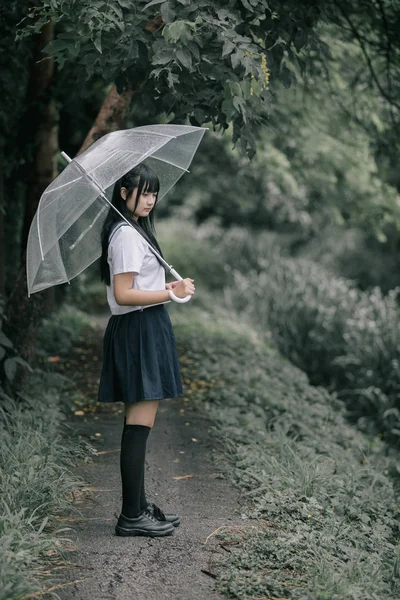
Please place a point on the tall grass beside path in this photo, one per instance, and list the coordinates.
(343, 338)
(38, 453)
(320, 514)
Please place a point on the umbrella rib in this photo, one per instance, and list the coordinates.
(87, 228)
(40, 240)
(170, 163)
(171, 137)
(63, 185)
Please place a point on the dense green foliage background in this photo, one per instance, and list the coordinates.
(289, 222)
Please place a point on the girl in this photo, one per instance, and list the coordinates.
(140, 359)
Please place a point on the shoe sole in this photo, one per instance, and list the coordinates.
(175, 523)
(128, 532)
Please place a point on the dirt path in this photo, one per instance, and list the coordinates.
(141, 568)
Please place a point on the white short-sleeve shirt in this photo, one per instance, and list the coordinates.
(128, 252)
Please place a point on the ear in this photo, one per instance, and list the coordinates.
(123, 193)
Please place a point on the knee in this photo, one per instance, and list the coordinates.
(142, 413)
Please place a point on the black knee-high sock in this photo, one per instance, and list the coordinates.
(132, 460)
(143, 499)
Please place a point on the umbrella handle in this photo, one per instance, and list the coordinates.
(171, 293)
(177, 298)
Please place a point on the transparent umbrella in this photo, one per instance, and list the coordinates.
(64, 237)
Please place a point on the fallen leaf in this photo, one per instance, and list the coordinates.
(183, 476)
(53, 359)
(79, 413)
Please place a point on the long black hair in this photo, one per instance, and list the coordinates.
(144, 179)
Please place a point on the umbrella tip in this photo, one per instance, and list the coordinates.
(66, 157)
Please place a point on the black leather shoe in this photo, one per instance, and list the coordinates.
(159, 514)
(144, 524)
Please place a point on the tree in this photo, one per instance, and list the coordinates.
(206, 61)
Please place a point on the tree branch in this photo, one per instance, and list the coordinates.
(367, 57)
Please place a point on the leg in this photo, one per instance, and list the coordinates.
(139, 420)
(143, 413)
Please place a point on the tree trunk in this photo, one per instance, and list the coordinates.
(114, 111)
(40, 122)
(39, 127)
(112, 116)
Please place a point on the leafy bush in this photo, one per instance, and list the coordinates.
(58, 332)
(320, 513)
(343, 338)
(340, 336)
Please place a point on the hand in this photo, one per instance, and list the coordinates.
(171, 285)
(184, 287)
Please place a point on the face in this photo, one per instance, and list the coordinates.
(146, 202)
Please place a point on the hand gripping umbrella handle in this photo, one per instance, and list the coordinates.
(171, 293)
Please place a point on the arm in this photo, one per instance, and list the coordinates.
(125, 295)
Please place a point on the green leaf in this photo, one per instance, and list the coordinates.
(157, 72)
(10, 368)
(194, 49)
(5, 341)
(246, 88)
(152, 3)
(167, 12)
(178, 30)
(162, 60)
(236, 58)
(125, 3)
(172, 78)
(235, 88)
(23, 362)
(97, 42)
(199, 115)
(184, 57)
(227, 108)
(74, 50)
(57, 45)
(228, 47)
(117, 10)
(239, 104)
(300, 39)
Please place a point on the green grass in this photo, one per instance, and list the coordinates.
(318, 505)
(38, 455)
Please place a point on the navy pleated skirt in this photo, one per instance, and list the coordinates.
(140, 357)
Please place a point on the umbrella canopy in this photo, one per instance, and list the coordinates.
(65, 233)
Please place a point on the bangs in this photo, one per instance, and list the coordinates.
(150, 182)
